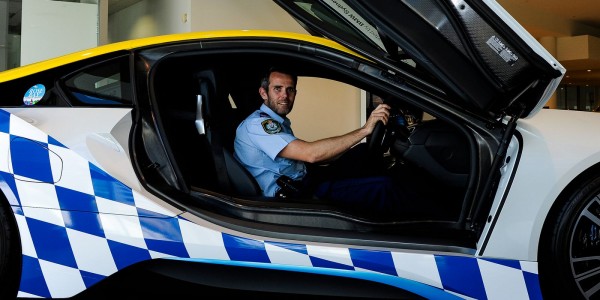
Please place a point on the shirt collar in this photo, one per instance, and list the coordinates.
(274, 115)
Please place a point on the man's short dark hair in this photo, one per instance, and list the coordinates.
(279, 69)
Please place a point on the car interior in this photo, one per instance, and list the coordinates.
(199, 105)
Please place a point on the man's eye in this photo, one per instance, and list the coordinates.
(289, 90)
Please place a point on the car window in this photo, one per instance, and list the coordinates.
(104, 84)
(32, 90)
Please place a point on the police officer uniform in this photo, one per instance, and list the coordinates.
(259, 138)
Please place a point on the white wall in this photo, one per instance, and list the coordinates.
(157, 17)
(149, 18)
(322, 107)
(54, 28)
(241, 14)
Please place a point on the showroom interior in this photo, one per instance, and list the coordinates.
(35, 30)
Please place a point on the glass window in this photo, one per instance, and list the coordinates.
(575, 97)
(104, 84)
(37, 89)
(10, 34)
(95, 82)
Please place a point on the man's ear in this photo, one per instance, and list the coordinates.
(263, 93)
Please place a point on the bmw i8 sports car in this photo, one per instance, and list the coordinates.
(118, 161)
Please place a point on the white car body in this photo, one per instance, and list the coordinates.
(543, 172)
(109, 167)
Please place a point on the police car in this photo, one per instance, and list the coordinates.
(118, 161)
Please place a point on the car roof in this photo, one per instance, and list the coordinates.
(161, 40)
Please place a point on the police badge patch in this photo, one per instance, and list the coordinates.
(271, 126)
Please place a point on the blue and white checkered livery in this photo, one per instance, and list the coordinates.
(79, 225)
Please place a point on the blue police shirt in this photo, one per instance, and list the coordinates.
(258, 141)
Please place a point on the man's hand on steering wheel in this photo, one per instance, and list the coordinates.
(377, 125)
(380, 114)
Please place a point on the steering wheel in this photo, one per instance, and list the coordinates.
(383, 136)
(375, 147)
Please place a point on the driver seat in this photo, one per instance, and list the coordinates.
(215, 118)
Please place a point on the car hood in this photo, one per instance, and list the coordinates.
(482, 59)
